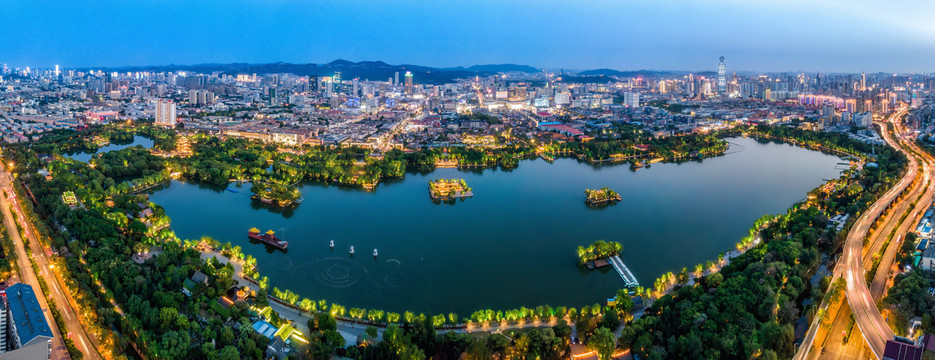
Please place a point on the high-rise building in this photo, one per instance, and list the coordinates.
(863, 81)
(165, 113)
(200, 97)
(328, 86)
(562, 98)
(337, 84)
(409, 83)
(273, 96)
(396, 79)
(631, 99)
(721, 76)
(850, 105)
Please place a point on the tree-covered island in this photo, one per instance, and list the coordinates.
(601, 196)
(449, 189)
(276, 194)
(598, 250)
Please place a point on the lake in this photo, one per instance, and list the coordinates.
(512, 244)
(137, 140)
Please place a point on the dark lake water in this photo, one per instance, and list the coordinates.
(512, 244)
(137, 140)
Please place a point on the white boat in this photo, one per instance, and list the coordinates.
(352, 249)
(374, 252)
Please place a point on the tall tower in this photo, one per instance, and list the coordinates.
(721, 76)
(408, 83)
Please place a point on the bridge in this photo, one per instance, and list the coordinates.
(628, 279)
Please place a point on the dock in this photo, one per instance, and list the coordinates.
(628, 278)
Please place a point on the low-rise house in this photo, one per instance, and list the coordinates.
(928, 259)
(188, 286)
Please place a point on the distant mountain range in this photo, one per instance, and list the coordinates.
(635, 73)
(378, 70)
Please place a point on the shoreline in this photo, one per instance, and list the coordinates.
(733, 252)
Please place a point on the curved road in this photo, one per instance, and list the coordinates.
(872, 325)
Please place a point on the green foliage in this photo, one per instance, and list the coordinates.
(604, 342)
(601, 195)
(750, 306)
(909, 297)
(599, 249)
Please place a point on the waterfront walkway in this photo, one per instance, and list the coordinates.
(628, 278)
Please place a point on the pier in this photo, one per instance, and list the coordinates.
(628, 279)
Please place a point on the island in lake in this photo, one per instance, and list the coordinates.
(595, 254)
(602, 196)
(449, 189)
(276, 194)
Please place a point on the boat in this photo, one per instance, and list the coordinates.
(231, 190)
(268, 238)
(352, 249)
(332, 244)
(374, 252)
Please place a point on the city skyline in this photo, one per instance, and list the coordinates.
(767, 36)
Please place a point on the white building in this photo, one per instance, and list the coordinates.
(631, 99)
(928, 258)
(864, 119)
(200, 97)
(563, 98)
(165, 113)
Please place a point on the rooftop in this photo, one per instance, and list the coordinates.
(27, 314)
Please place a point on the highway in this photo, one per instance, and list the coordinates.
(64, 302)
(882, 276)
(857, 258)
(870, 321)
(921, 194)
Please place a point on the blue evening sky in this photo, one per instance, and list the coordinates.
(757, 35)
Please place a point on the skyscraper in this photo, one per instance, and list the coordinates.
(165, 112)
(396, 79)
(408, 83)
(328, 86)
(721, 76)
(273, 96)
